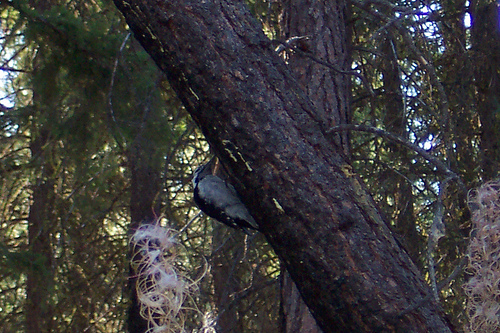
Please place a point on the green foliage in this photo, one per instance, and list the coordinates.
(424, 77)
(14, 264)
(86, 106)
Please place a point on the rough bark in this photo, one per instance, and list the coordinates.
(310, 205)
(322, 36)
(321, 24)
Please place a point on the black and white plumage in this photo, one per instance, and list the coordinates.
(219, 200)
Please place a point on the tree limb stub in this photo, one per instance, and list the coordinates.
(312, 208)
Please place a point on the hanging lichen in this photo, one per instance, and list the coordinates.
(483, 288)
(161, 288)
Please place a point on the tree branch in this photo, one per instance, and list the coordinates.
(440, 166)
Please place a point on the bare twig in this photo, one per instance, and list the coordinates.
(437, 231)
(418, 54)
(111, 86)
(11, 69)
(439, 286)
(289, 45)
(188, 224)
(440, 166)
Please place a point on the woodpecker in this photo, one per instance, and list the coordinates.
(219, 200)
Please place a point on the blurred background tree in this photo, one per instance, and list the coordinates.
(94, 142)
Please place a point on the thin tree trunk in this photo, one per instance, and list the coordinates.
(486, 51)
(39, 308)
(145, 170)
(312, 208)
(296, 315)
(395, 122)
(225, 278)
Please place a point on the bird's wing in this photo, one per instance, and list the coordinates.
(215, 190)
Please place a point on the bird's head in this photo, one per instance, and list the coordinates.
(202, 171)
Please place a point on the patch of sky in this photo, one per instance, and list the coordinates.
(426, 24)
(427, 142)
(8, 72)
(467, 18)
(5, 97)
(7, 94)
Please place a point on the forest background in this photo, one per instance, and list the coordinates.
(94, 142)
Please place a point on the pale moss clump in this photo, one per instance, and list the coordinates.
(483, 288)
(161, 288)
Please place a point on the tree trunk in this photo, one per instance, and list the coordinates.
(39, 308)
(486, 51)
(225, 278)
(41, 220)
(322, 36)
(145, 169)
(308, 202)
(326, 39)
(296, 315)
(395, 122)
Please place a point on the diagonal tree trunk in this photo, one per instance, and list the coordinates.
(312, 208)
